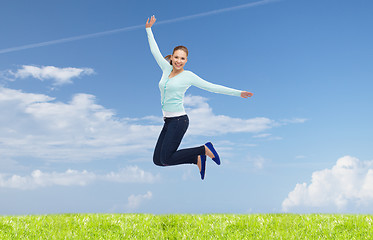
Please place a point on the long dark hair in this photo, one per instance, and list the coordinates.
(168, 57)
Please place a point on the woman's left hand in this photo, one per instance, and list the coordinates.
(245, 94)
(152, 21)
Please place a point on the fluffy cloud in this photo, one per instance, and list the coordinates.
(205, 122)
(37, 126)
(59, 76)
(37, 178)
(347, 186)
(134, 201)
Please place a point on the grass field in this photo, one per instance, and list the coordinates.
(209, 226)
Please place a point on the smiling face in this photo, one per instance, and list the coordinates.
(179, 58)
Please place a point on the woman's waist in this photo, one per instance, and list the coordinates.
(168, 114)
(171, 118)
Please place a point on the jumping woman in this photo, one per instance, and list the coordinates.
(173, 85)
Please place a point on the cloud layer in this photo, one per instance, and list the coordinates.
(37, 126)
(37, 178)
(347, 186)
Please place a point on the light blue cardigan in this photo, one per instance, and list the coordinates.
(173, 89)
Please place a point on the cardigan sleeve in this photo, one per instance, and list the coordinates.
(205, 85)
(162, 63)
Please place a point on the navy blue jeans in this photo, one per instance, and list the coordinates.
(166, 153)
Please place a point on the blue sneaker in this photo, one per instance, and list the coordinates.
(203, 166)
(212, 149)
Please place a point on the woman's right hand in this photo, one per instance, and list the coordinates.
(245, 94)
(150, 24)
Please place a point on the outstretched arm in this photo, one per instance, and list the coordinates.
(200, 83)
(163, 64)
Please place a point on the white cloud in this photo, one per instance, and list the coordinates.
(347, 186)
(59, 76)
(37, 178)
(263, 135)
(134, 201)
(267, 136)
(294, 120)
(10, 96)
(257, 161)
(205, 122)
(36, 126)
(130, 174)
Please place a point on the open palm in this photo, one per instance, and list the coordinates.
(152, 21)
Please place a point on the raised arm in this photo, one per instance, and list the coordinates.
(163, 64)
(200, 83)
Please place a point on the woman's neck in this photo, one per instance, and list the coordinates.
(177, 71)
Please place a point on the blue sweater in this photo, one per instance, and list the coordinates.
(173, 89)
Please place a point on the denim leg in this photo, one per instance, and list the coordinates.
(158, 147)
(166, 153)
(172, 140)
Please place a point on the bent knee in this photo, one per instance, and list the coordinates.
(165, 161)
(157, 162)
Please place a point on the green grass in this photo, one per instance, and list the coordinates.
(209, 226)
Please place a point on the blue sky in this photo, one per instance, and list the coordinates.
(80, 117)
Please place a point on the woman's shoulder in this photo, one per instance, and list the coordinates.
(190, 73)
(191, 77)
